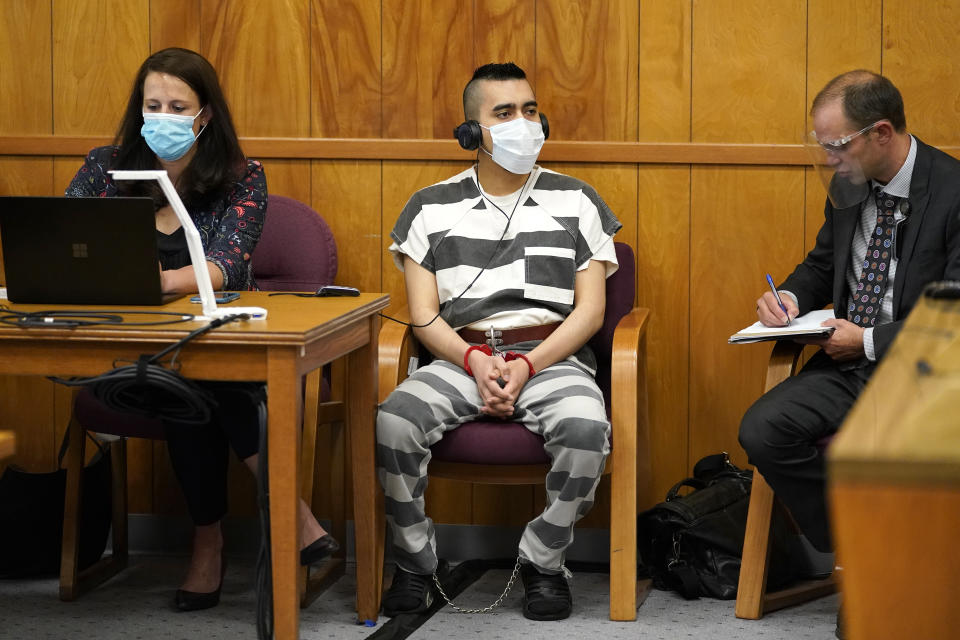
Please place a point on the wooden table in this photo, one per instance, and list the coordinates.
(894, 486)
(299, 335)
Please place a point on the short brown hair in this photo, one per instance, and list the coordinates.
(866, 97)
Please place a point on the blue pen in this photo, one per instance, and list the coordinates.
(776, 295)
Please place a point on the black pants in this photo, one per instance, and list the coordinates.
(781, 430)
(199, 453)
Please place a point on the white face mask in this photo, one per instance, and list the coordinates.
(516, 144)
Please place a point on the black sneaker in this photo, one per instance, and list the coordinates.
(410, 592)
(546, 596)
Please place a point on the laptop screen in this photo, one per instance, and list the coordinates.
(98, 251)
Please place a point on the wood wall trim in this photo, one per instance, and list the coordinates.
(399, 149)
(407, 149)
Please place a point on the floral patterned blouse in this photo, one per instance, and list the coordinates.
(229, 228)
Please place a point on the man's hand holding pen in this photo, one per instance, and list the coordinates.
(771, 313)
(845, 343)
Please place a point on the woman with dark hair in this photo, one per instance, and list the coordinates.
(178, 120)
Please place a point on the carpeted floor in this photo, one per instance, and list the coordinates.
(136, 605)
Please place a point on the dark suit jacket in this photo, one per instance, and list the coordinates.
(931, 249)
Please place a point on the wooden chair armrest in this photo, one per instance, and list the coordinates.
(630, 457)
(784, 361)
(628, 391)
(395, 345)
(628, 336)
(627, 357)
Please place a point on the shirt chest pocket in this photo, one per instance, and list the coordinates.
(549, 274)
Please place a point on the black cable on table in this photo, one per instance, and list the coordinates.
(70, 319)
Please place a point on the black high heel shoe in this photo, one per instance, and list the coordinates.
(324, 546)
(194, 601)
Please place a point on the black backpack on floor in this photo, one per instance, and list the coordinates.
(31, 516)
(693, 543)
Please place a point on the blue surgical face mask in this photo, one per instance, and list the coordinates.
(169, 135)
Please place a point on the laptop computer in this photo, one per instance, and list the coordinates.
(97, 251)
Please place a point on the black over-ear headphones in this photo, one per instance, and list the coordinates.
(470, 135)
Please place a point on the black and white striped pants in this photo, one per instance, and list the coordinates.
(562, 403)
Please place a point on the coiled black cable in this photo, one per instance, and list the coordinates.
(150, 389)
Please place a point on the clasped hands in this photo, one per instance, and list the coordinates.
(487, 370)
(845, 343)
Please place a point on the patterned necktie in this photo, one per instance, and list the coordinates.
(876, 264)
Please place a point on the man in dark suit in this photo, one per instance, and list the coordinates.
(872, 260)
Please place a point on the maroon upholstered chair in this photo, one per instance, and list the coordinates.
(753, 600)
(507, 453)
(296, 252)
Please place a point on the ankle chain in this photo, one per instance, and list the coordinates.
(496, 603)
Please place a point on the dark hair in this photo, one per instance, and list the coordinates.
(218, 160)
(866, 97)
(491, 71)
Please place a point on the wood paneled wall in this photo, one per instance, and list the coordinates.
(682, 72)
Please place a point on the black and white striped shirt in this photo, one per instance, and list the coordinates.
(557, 225)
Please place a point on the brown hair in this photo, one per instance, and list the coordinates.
(866, 97)
(218, 161)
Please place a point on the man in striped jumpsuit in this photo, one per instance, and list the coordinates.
(509, 245)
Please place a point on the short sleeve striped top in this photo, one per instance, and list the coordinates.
(558, 225)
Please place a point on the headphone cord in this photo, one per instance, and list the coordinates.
(489, 260)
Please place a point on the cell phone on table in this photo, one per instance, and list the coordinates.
(332, 290)
(220, 297)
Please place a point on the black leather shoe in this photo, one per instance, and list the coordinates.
(411, 592)
(546, 595)
(193, 601)
(324, 546)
